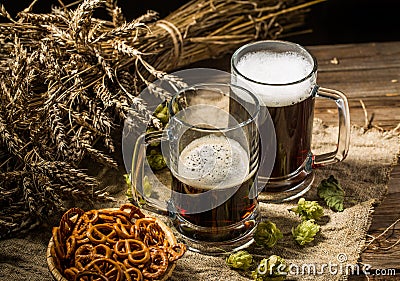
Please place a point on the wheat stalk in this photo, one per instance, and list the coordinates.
(68, 81)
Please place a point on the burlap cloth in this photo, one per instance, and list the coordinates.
(364, 176)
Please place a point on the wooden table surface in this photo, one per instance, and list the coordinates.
(369, 75)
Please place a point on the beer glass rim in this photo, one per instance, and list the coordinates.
(252, 118)
(266, 42)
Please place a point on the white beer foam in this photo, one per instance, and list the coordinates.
(276, 68)
(213, 162)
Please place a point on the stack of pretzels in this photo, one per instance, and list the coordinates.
(113, 245)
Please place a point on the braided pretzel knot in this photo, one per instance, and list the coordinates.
(154, 235)
(68, 221)
(134, 212)
(87, 253)
(140, 228)
(102, 233)
(176, 251)
(124, 230)
(90, 276)
(134, 274)
(135, 251)
(106, 267)
(158, 265)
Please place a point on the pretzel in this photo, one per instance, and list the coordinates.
(101, 233)
(154, 235)
(159, 264)
(106, 216)
(120, 218)
(83, 256)
(91, 216)
(176, 251)
(136, 251)
(81, 226)
(134, 274)
(124, 230)
(70, 246)
(94, 276)
(107, 267)
(58, 246)
(101, 251)
(66, 222)
(71, 273)
(134, 213)
(87, 253)
(141, 227)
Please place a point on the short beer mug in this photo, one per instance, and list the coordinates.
(283, 76)
(213, 159)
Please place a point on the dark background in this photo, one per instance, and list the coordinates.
(333, 22)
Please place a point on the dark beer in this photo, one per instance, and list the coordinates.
(284, 83)
(213, 189)
(293, 125)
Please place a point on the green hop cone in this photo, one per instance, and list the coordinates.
(308, 210)
(162, 113)
(156, 160)
(273, 268)
(305, 232)
(267, 234)
(147, 186)
(129, 184)
(240, 260)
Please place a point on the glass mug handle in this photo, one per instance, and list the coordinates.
(344, 128)
(142, 189)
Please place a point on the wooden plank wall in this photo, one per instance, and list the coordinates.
(368, 72)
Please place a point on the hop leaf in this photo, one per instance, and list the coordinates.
(240, 260)
(273, 268)
(267, 234)
(332, 193)
(305, 232)
(129, 184)
(308, 210)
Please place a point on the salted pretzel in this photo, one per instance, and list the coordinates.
(58, 245)
(112, 244)
(106, 267)
(90, 276)
(159, 264)
(83, 256)
(135, 251)
(91, 216)
(125, 230)
(134, 212)
(102, 233)
(176, 251)
(154, 235)
(134, 274)
(68, 221)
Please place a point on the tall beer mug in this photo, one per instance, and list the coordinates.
(283, 76)
(213, 159)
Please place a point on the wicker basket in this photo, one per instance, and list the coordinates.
(54, 266)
